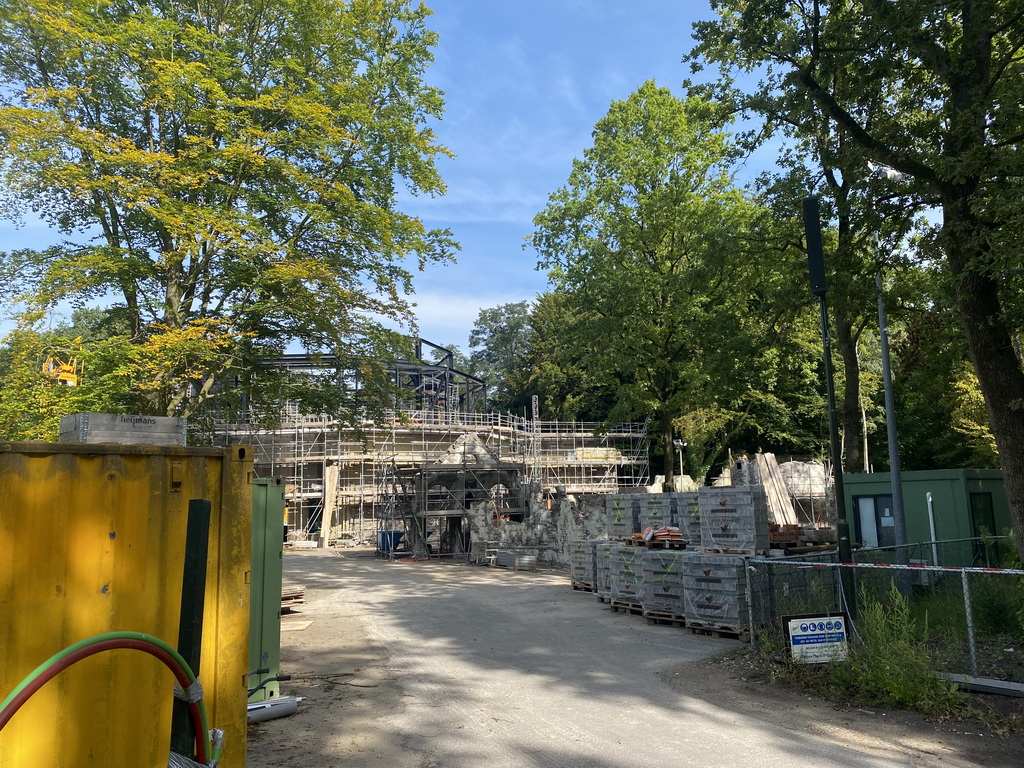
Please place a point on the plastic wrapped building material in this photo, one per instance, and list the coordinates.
(715, 591)
(663, 581)
(656, 510)
(626, 567)
(734, 519)
(622, 516)
(603, 568)
(582, 561)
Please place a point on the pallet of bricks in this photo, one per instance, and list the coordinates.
(603, 570)
(626, 577)
(714, 593)
(663, 594)
(657, 518)
(734, 524)
(583, 564)
(734, 520)
(687, 507)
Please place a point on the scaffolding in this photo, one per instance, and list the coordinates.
(432, 457)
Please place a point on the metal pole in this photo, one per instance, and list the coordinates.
(890, 423)
(816, 272)
(970, 623)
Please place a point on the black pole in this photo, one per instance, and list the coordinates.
(190, 621)
(816, 272)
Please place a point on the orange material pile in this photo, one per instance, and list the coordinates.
(665, 533)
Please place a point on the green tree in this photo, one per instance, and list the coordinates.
(952, 78)
(657, 252)
(224, 172)
(500, 341)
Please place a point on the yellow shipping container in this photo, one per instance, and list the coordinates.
(92, 540)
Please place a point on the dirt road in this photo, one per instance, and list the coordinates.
(425, 664)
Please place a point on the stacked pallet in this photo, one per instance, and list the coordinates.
(656, 510)
(663, 585)
(621, 516)
(291, 596)
(582, 563)
(626, 574)
(734, 520)
(603, 569)
(714, 592)
(688, 516)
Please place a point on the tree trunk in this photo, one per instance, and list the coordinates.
(853, 430)
(670, 456)
(991, 346)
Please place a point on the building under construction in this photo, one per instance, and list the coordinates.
(417, 469)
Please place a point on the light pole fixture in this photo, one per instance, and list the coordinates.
(899, 519)
(816, 272)
(680, 449)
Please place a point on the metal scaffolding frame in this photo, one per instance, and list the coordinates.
(422, 458)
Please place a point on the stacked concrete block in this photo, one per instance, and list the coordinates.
(622, 516)
(626, 572)
(688, 515)
(602, 569)
(734, 519)
(582, 562)
(714, 591)
(663, 581)
(656, 510)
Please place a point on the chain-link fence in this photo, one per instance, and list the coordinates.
(970, 618)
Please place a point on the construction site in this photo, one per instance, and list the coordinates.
(410, 477)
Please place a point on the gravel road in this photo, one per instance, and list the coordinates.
(425, 664)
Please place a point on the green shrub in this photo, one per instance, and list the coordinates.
(890, 665)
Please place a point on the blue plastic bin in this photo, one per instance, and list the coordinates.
(387, 541)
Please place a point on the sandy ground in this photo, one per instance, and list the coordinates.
(427, 664)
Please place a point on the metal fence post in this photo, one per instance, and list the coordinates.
(970, 622)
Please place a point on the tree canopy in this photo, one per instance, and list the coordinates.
(224, 174)
(949, 77)
(663, 264)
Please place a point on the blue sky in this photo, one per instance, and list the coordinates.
(525, 81)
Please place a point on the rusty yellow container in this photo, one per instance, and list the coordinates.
(92, 540)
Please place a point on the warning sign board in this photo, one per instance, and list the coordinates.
(817, 639)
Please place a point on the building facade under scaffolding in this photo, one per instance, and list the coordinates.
(418, 469)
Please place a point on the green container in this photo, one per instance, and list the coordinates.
(265, 587)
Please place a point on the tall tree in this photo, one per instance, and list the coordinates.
(224, 171)
(500, 340)
(652, 243)
(952, 78)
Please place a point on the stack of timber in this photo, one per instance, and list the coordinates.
(583, 564)
(622, 516)
(662, 598)
(291, 596)
(627, 584)
(714, 595)
(734, 520)
(780, 502)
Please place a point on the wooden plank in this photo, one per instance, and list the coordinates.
(779, 503)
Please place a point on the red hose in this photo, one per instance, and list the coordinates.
(109, 645)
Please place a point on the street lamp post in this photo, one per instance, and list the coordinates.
(816, 271)
(899, 520)
(680, 449)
